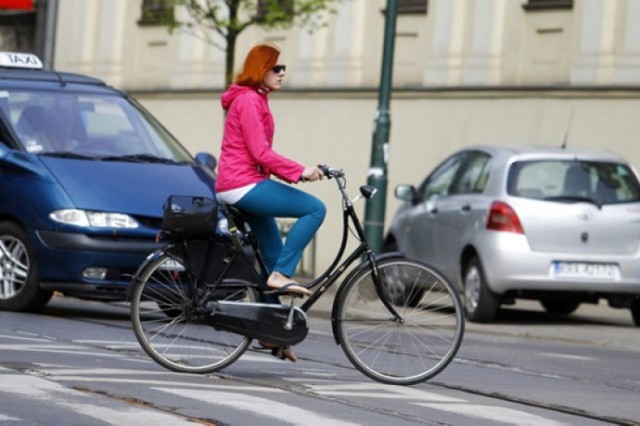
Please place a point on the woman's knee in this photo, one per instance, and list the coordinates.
(319, 210)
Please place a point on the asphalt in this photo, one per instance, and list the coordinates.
(592, 324)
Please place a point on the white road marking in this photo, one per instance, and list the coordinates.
(495, 414)
(374, 390)
(38, 389)
(63, 371)
(434, 401)
(110, 344)
(262, 407)
(31, 339)
(4, 418)
(59, 349)
(237, 388)
(572, 357)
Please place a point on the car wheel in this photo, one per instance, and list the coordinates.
(399, 292)
(560, 307)
(635, 311)
(390, 246)
(19, 289)
(480, 304)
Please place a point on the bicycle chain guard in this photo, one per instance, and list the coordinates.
(260, 321)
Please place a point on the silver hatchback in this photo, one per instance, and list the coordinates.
(561, 226)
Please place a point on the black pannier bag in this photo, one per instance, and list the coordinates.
(211, 260)
(190, 217)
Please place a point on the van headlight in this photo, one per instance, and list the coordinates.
(86, 218)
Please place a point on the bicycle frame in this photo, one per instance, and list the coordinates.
(336, 269)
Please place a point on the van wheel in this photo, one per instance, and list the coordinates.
(19, 285)
(480, 304)
(635, 311)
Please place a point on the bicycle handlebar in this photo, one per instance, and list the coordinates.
(330, 172)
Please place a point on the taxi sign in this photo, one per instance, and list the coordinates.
(20, 60)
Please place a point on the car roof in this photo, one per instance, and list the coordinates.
(531, 152)
(48, 76)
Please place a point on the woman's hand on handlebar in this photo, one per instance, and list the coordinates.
(311, 173)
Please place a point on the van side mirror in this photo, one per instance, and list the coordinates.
(207, 160)
(4, 149)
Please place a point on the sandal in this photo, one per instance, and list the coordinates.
(281, 284)
(278, 351)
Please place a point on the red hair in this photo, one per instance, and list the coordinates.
(259, 61)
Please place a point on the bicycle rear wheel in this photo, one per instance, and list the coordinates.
(413, 349)
(171, 322)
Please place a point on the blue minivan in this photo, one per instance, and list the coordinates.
(84, 174)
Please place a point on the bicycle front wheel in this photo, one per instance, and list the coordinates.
(408, 350)
(171, 322)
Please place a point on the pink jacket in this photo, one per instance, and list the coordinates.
(247, 156)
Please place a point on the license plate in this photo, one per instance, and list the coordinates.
(586, 270)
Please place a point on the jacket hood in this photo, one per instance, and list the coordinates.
(232, 93)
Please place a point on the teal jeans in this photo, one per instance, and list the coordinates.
(271, 199)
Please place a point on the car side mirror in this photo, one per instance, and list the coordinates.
(207, 160)
(407, 193)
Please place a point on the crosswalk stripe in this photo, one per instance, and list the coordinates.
(497, 414)
(263, 407)
(4, 418)
(48, 392)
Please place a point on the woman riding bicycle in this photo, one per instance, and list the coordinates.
(246, 163)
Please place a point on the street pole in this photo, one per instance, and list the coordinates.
(377, 174)
(46, 20)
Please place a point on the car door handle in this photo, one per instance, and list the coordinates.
(466, 208)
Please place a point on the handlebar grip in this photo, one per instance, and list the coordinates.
(330, 172)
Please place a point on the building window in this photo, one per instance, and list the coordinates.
(547, 4)
(285, 6)
(156, 12)
(412, 6)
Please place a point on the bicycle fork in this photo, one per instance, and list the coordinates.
(380, 290)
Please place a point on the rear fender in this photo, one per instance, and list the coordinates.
(150, 258)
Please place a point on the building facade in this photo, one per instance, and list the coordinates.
(465, 72)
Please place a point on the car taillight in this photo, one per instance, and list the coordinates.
(503, 218)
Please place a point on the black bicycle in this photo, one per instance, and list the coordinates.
(196, 304)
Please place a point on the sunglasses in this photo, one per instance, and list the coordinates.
(279, 68)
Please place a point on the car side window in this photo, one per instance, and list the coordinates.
(438, 183)
(474, 175)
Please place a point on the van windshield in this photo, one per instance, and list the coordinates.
(90, 126)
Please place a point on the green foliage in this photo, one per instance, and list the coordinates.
(227, 17)
(219, 22)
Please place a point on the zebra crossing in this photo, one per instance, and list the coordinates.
(100, 382)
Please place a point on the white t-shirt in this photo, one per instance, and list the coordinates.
(234, 195)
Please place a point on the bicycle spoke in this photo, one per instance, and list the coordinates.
(172, 326)
(406, 351)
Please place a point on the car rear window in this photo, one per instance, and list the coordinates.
(573, 180)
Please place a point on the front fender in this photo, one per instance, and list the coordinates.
(357, 270)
